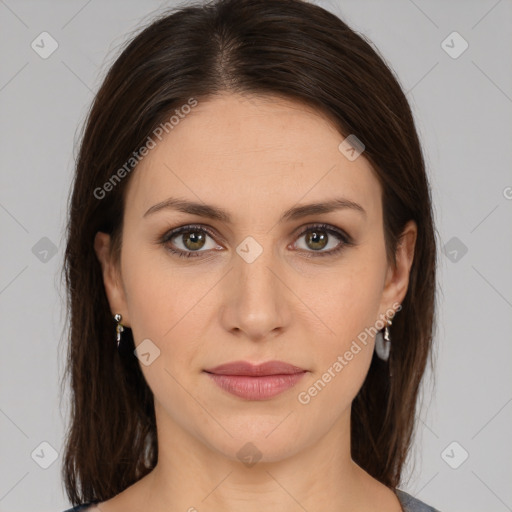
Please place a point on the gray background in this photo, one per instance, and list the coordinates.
(463, 108)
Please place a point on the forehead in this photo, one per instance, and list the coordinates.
(240, 151)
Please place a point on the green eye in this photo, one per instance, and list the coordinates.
(318, 236)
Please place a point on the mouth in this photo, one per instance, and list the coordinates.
(255, 370)
(256, 382)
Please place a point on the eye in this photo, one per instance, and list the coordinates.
(192, 240)
(318, 237)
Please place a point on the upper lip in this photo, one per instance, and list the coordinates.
(247, 368)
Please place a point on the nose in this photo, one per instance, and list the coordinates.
(256, 299)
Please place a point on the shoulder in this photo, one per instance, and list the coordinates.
(81, 507)
(411, 504)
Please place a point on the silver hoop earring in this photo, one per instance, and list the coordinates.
(119, 328)
(383, 343)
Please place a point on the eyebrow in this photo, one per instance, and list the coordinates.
(216, 213)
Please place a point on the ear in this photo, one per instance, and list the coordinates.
(397, 278)
(111, 277)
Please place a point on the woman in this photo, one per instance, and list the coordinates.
(251, 266)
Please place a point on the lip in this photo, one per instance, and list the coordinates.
(255, 370)
(256, 382)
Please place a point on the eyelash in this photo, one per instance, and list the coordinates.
(346, 240)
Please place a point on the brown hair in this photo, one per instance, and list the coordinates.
(289, 48)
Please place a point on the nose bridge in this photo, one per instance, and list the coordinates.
(256, 264)
(256, 302)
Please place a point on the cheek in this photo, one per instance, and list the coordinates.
(164, 302)
(149, 297)
(348, 310)
(346, 301)
(348, 305)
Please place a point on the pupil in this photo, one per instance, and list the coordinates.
(195, 239)
(318, 239)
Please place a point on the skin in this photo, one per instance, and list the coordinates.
(254, 156)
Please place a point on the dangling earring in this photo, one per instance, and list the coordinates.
(383, 343)
(119, 328)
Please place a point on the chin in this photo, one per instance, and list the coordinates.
(259, 439)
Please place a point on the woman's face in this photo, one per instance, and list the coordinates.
(260, 284)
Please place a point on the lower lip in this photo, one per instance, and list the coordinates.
(256, 388)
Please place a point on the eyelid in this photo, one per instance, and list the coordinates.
(322, 225)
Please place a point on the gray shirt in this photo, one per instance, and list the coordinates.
(411, 504)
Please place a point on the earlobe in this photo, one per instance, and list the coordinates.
(111, 277)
